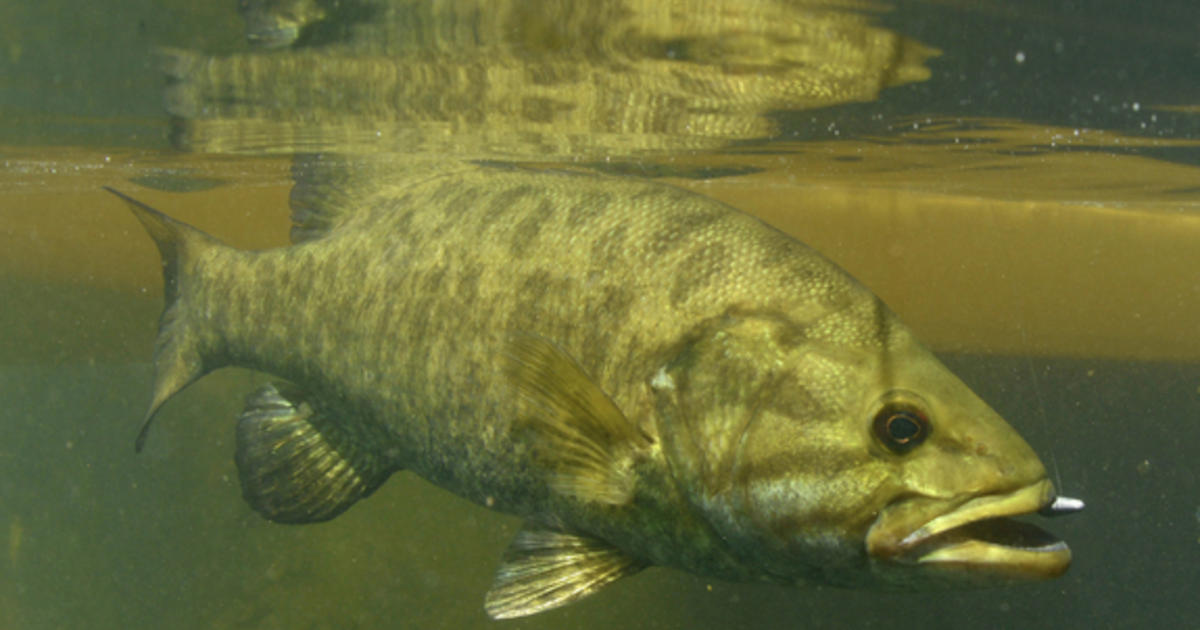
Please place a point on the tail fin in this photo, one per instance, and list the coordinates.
(178, 360)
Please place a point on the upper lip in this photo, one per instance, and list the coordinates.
(1024, 501)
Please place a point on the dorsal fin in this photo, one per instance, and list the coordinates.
(331, 188)
(323, 195)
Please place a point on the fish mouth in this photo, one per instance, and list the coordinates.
(978, 538)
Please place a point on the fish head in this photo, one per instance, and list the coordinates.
(850, 458)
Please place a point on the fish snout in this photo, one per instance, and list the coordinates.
(977, 540)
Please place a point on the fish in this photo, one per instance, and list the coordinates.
(279, 23)
(646, 376)
(481, 79)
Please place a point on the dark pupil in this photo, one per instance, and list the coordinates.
(903, 427)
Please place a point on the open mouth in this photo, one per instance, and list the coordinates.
(997, 532)
(982, 537)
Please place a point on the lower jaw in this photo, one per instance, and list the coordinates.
(986, 561)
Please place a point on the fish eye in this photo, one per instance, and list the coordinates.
(901, 428)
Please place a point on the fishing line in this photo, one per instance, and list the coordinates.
(1037, 394)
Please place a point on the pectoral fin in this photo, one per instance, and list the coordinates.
(582, 435)
(297, 466)
(545, 568)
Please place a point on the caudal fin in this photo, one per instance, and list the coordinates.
(178, 356)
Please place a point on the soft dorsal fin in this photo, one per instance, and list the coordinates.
(545, 568)
(331, 188)
(297, 466)
(582, 435)
(323, 195)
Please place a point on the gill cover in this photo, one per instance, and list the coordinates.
(746, 414)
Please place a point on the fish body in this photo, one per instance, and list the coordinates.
(646, 375)
(278, 23)
(536, 80)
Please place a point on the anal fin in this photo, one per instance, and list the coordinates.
(545, 568)
(297, 466)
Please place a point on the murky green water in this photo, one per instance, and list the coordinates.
(93, 536)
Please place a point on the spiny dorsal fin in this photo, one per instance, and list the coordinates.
(295, 465)
(545, 568)
(582, 434)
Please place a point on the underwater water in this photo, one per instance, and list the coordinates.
(1030, 206)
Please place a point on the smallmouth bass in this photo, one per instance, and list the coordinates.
(647, 376)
